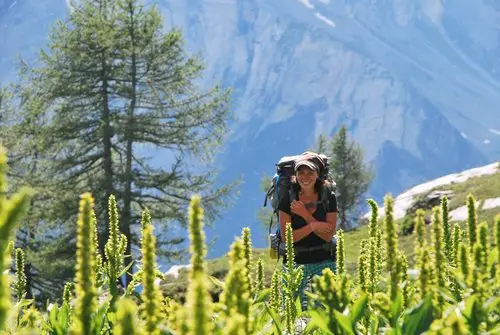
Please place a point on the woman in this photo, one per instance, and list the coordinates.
(313, 225)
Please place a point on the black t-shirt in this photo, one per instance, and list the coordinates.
(312, 239)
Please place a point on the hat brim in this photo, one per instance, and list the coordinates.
(306, 163)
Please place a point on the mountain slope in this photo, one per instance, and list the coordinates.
(416, 82)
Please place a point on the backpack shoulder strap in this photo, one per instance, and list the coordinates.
(292, 193)
(325, 196)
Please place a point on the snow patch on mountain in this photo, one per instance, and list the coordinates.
(494, 131)
(403, 201)
(325, 19)
(307, 3)
(491, 203)
(462, 213)
(433, 9)
(175, 269)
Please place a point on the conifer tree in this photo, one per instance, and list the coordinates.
(28, 167)
(113, 85)
(351, 174)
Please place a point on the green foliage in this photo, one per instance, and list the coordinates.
(363, 266)
(151, 296)
(440, 263)
(11, 212)
(471, 220)
(125, 324)
(447, 233)
(111, 84)
(407, 226)
(20, 284)
(195, 319)
(260, 277)
(85, 271)
(352, 175)
(391, 241)
(337, 304)
(114, 250)
(340, 252)
(292, 276)
(247, 250)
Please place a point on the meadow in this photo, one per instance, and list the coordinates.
(454, 290)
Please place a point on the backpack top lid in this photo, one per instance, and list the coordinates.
(321, 160)
(287, 160)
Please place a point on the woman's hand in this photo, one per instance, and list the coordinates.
(298, 208)
(320, 227)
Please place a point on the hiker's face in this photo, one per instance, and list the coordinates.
(306, 177)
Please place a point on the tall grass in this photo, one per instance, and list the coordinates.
(454, 288)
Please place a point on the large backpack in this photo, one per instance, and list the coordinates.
(281, 183)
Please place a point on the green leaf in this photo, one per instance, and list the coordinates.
(472, 313)
(125, 269)
(275, 317)
(298, 305)
(345, 323)
(63, 316)
(418, 319)
(217, 282)
(374, 324)
(262, 296)
(359, 308)
(54, 311)
(396, 307)
(492, 304)
(320, 319)
(99, 318)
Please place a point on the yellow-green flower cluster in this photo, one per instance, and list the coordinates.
(20, 284)
(196, 317)
(374, 253)
(236, 295)
(447, 233)
(197, 237)
(260, 276)
(151, 294)
(125, 322)
(340, 253)
(391, 244)
(247, 249)
(362, 265)
(440, 266)
(471, 220)
(276, 299)
(115, 249)
(85, 266)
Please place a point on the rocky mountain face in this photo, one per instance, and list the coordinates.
(417, 82)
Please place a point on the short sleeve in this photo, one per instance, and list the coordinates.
(284, 204)
(332, 202)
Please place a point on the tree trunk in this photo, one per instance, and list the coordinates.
(107, 159)
(29, 280)
(127, 194)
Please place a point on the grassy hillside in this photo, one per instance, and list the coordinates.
(482, 187)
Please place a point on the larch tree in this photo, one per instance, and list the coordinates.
(114, 86)
(42, 235)
(351, 174)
